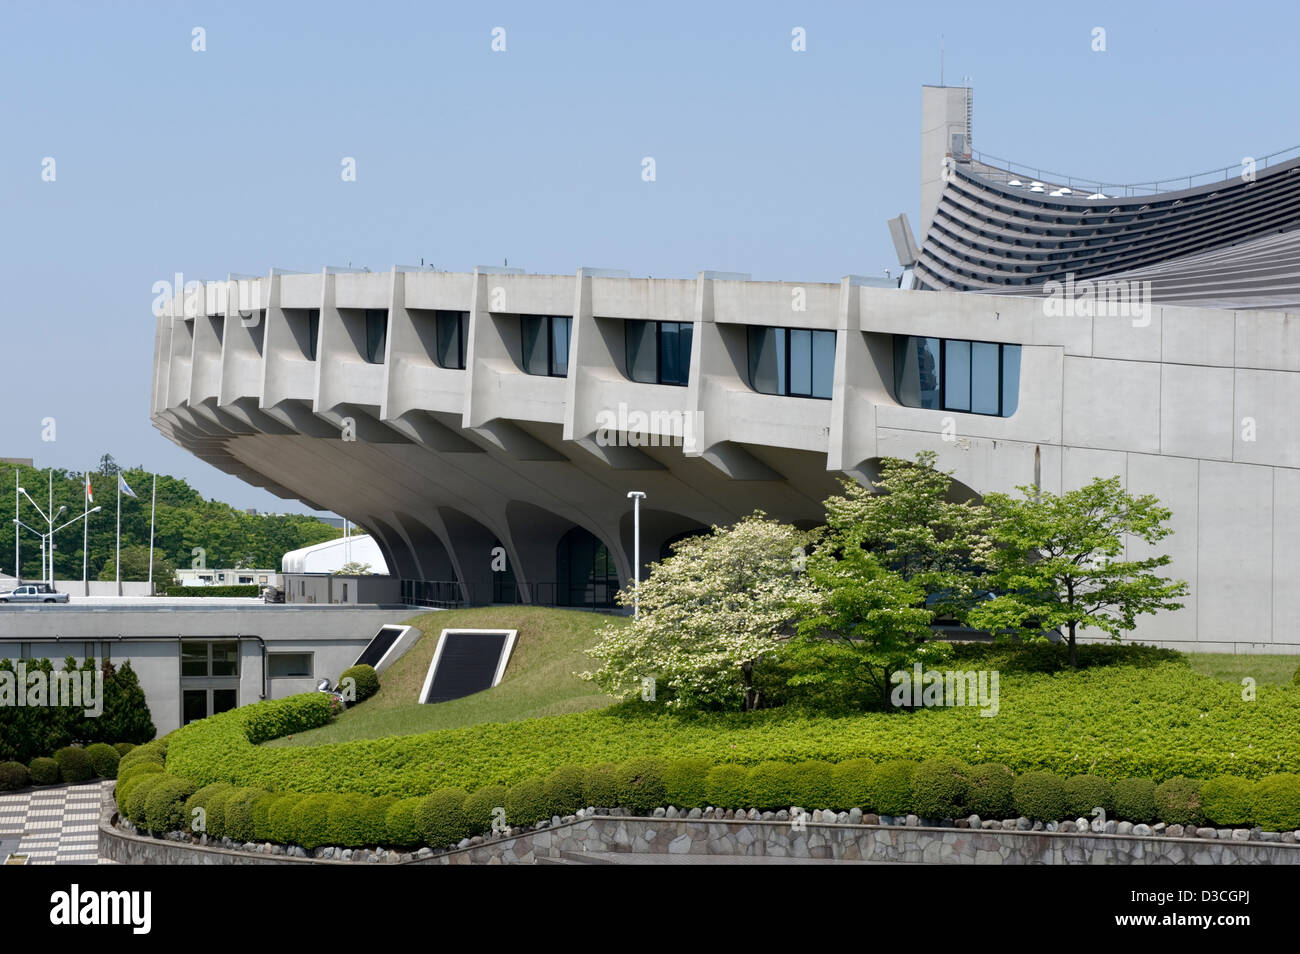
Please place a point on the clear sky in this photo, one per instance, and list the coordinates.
(778, 163)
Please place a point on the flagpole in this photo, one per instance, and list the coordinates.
(153, 506)
(51, 546)
(18, 567)
(85, 533)
(117, 560)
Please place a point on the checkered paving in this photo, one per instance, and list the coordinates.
(53, 826)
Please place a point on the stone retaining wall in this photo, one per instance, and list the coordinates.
(597, 837)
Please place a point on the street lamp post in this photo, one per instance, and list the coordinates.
(47, 539)
(636, 496)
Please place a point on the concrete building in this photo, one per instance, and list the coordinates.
(486, 427)
(197, 660)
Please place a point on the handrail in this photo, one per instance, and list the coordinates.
(1115, 190)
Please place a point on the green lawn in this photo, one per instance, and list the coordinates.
(540, 679)
(1266, 670)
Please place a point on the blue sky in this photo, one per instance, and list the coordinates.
(781, 164)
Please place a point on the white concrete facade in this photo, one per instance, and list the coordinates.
(442, 465)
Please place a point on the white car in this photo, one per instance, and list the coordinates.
(32, 593)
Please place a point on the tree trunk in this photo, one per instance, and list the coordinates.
(1074, 659)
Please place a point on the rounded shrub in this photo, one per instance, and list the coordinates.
(1039, 796)
(103, 759)
(1228, 800)
(399, 821)
(123, 747)
(526, 803)
(939, 788)
(240, 812)
(600, 785)
(211, 800)
(1083, 793)
(281, 817)
(564, 789)
(849, 783)
(889, 787)
(685, 782)
(359, 821)
(1135, 800)
(990, 790)
(441, 817)
(311, 820)
(1178, 801)
(14, 775)
(367, 681)
(164, 806)
(771, 786)
(74, 764)
(727, 786)
(43, 771)
(125, 782)
(481, 807)
(813, 784)
(135, 799)
(641, 784)
(1277, 802)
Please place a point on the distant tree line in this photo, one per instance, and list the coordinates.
(228, 537)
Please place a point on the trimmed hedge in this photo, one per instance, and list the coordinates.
(104, 759)
(1040, 796)
(281, 819)
(1277, 802)
(123, 747)
(243, 806)
(481, 806)
(14, 775)
(600, 784)
(164, 803)
(74, 764)
(564, 789)
(236, 589)
(772, 786)
(940, 788)
(686, 782)
(728, 784)
(1083, 793)
(850, 783)
(990, 790)
(310, 821)
(1178, 802)
(640, 784)
(889, 787)
(526, 803)
(44, 771)
(813, 779)
(441, 818)
(1135, 800)
(359, 821)
(366, 679)
(211, 800)
(400, 822)
(1228, 800)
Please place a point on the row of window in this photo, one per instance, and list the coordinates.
(945, 374)
(976, 377)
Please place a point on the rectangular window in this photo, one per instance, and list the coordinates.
(767, 367)
(639, 337)
(1010, 379)
(313, 332)
(194, 705)
(823, 363)
(450, 331)
(223, 700)
(225, 659)
(545, 340)
(289, 665)
(674, 352)
(956, 375)
(985, 394)
(800, 362)
(194, 659)
(376, 334)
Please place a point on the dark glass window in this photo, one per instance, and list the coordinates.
(194, 705)
(313, 332)
(284, 665)
(585, 572)
(546, 344)
(225, 659)
(798, 362)
(223, 700)
(376, 334)
(450, 330)
(980, 377)
(194, 659)
(658, 352)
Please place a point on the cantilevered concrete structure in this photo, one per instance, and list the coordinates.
(486, 427)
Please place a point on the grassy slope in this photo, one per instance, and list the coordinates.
(1264, 669)
(539, 681)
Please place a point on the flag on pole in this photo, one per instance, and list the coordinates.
(90, 494)
(124, 486)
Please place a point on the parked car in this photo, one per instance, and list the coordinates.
(34, 593)
(272, 594)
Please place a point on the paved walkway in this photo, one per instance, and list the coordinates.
(53, 826)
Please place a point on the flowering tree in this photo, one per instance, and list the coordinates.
(708, 613)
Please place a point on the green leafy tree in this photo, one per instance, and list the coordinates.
(354, 568)
(135, 565)
(708, 614)
(1061, 562)
(909, 518)
(126, 715)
